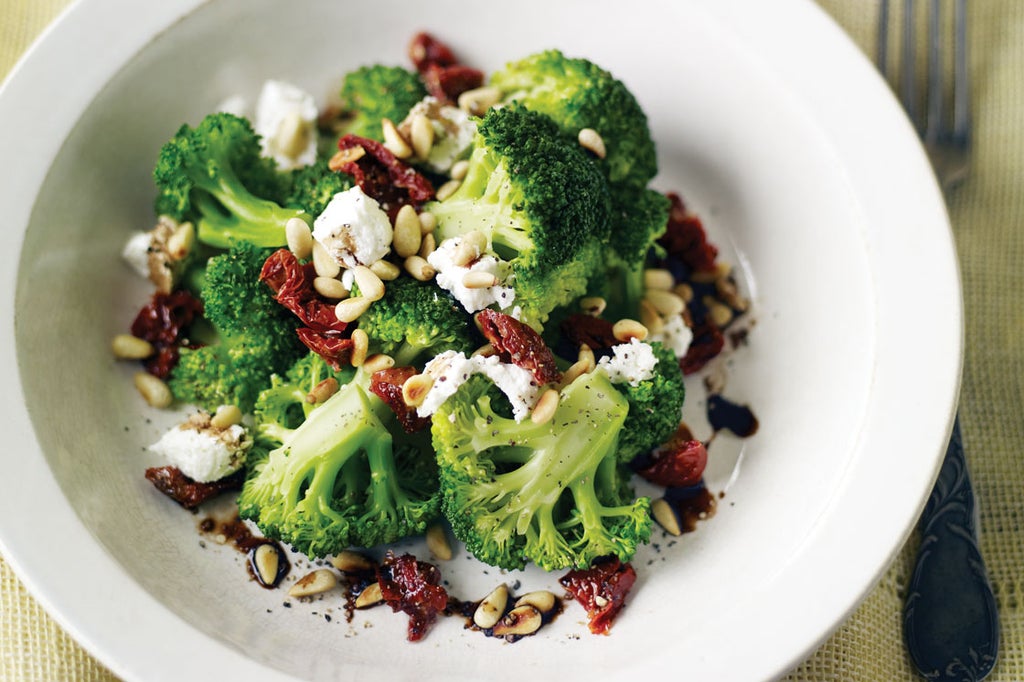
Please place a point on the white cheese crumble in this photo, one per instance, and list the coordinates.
(630, 363)
(354, 229)
(286, 122)
(202, 452)
(234, 104)
(451, 369)
(450, 277)
(136, 252)
(453, 133)
(675, 335)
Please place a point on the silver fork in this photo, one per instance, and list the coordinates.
(950, 619)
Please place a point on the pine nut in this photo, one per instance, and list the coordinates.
(447, 189)
(293, 135)
(684, 291)
(593, 305)
(658, 278)
(330, 287)
(394, 141)
(323, 263)
(491, 608)
(370, 596)
(428, 222)
(520, 621)
(650, 318)
(266, 560)
(666, 516)
(316, 582)
(360, 346)
(428, 245)
(407, 233)
(545, 408)
(385, 269)
(344, 157)
(322, 391)
(542, 600)
(419, 268)
(626, 330)
(574, 372)
(154, 390)
(478, 100)
(416, 388)
(299, 238)
(730, 295)
(478, 279)
(485, 351)
(421, 134)
(377, 362)
(225, 417)
(586, 355)
(437, 542)
(471, 245)
(665, 302)
(348, 561)
(591, 140)
(350, 309)
(128, 347)
(721, 269)
(180, 243)
(459, 170)
(720, 314)
(371, 287)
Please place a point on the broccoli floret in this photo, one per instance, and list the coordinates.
(551, 493)
(213, 175)
(579, 94)
(313, 187)
(541, 203)
(415, 318)
(346, 476)
(655, 406)
(253, 335)
(639, 217)
(375, 92)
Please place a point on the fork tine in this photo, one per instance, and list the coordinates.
(961, 88)
(882, 47)
(934, 120)
(908, 50)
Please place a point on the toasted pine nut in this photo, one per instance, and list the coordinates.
(720, 314)
(665, 302)
(330, 287)
(586, 356)
(370, 596)
(478, 100)
(591, 140)
(421, 134)
(650, 318)
(225, 417)
(658, 278)
(479, 279)
(545, 408)
(322, 391)
(293, 134)
(419, 268)
(625, 330)
(593, 305)
(180, 243)
(360, 346)
(485, 351)
(377, 362)
(371, 287)
(154, 390)
(574, 372)
(317, 582)
(542, 600)
(428, 222)
(447, 189)
(416, 388)
(469, 248)
(407, 233)
(721, 269)
(345, 156)
(266, 560)
(394, 141)
(730, 295)
(348, 561)
(522, 620)
(299, 237)
(323, 263)
(666, 516)
(684, 291)
(128, 347)
(437, 542)
(385, 269)
(491, 608)
(350, 309)
(459, 170)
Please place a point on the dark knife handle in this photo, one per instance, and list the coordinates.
(950, 618)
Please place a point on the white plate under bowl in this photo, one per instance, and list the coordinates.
(768, 121)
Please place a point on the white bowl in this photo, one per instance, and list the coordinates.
(768, 121)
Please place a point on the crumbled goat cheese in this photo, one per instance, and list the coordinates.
(630, 363)
(450, 277)
(453, 133)
(354, 229)
(286, 122)
(235, 104)
(202, 452)
(451, 369)
(675, 335)
(136, 252)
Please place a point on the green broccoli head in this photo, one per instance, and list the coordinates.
(415, 319)
(655, 406)
(312, 187)
(254, 336)
(213, 175)
(346, 476)
(375, 92)
(579, 94)
(541, 203)
(551, 493)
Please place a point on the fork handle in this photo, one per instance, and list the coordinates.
(950, 618)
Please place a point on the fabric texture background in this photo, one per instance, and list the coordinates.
(988, 217)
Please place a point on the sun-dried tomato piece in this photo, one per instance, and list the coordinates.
(446, 83)
(519, 344)
(386, 384)
(595, 332)
(163, 322)
(425, 49)
(188, 493)
(413, 587)
(381, 175)
(707, 343)
(602, 590)
(686, 239)
(680, 462)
